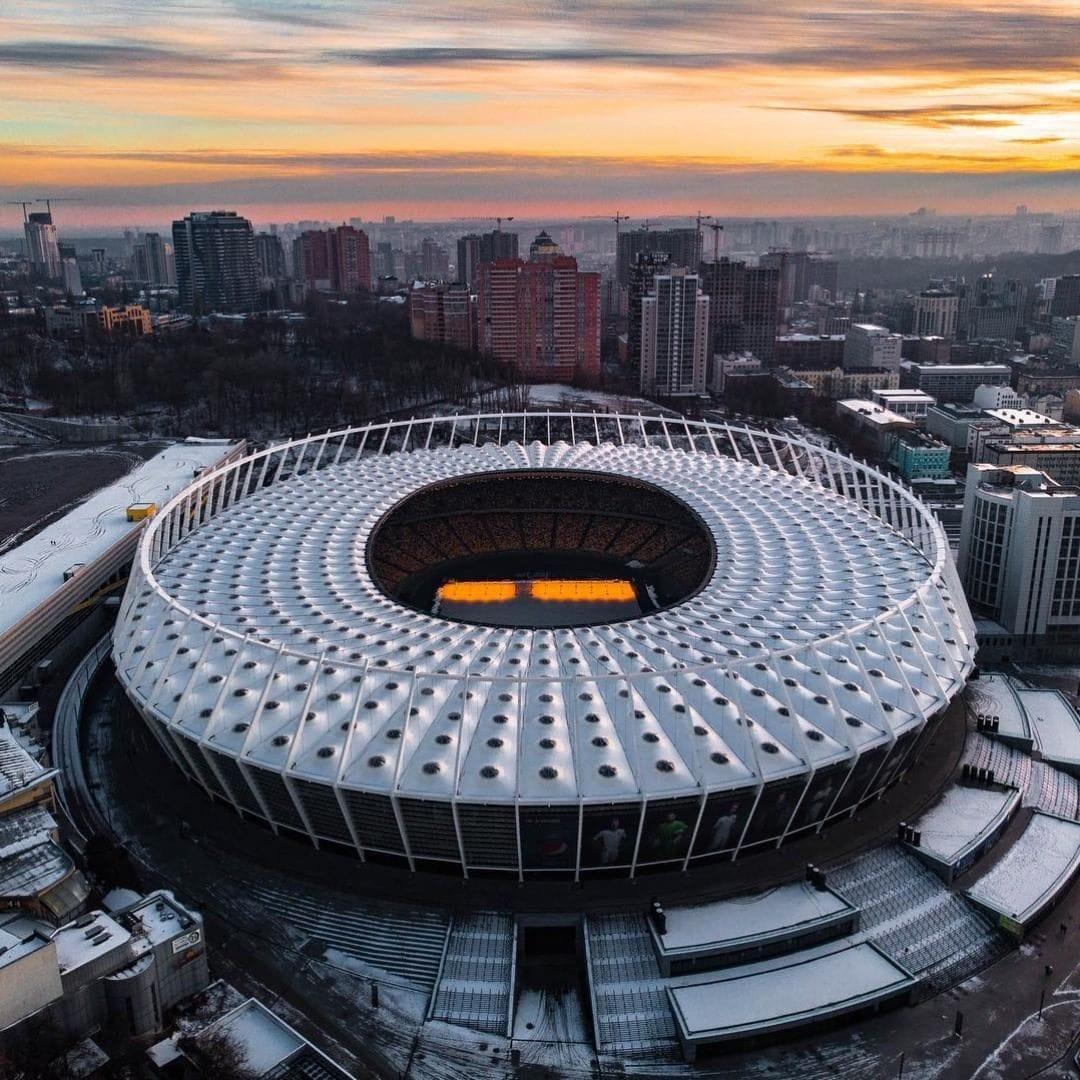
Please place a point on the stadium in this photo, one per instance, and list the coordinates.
(544, 646)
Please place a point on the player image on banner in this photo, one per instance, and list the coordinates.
(608, 835)
(723, 823)
(667, 830)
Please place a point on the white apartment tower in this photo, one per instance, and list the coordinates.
(1019, 555)
(674, 336)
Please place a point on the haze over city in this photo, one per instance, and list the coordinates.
(324, 108)
(539, 539)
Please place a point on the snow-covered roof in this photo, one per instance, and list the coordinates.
(961, 818)
(18, 770)
(31, 571)
(1043, 860)
(787, 909)
(1054, 725)
(994, 697)
(808, 986)
(88, 939)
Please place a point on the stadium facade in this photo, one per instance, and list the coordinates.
(799, 628)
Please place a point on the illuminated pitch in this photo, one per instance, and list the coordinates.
(564, 590)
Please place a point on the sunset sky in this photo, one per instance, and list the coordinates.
(482, 107)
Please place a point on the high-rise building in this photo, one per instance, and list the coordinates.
(41, 245)
(152, 260)
(760, 312)
(384, 259)
(935, 313)
(434, 260)
(744, 304)
(646, 266)
(270, 256)
(541, 316)
(674, 335)
(72, 277)
(333, 260)
(1066, 296)
(1019, 555)
(870, 346)
(215, 262)
(682, 246)
(477, 248)
(801, 272)
(996, 312)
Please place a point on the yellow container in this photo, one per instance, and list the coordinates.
(141, 511)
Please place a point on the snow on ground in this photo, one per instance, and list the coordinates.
(555, 396)
(32, 571)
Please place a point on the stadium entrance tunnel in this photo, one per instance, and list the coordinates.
(541, 549)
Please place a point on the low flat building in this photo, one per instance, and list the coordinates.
(873, 422)
(951, 422)
(952, 382)
(29, 971)
(912, 404)
(916, 455)
(124, 970)
(837, 384)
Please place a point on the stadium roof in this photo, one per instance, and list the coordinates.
(823, 632)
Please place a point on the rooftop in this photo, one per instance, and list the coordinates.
(962, 817)
(33, 570)
(1046, 854)
(808, 986)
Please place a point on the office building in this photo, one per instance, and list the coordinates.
(1019, 555)
(870, 346)
(674, 336)
(952, 382)
(1050, 448)
(1065, 301)
(876, 425)
(996, 312)
(1004, 425)
(215, 262)
(917, 456)
(1065, 333)
(41, 245)
(911, 404)
(814, 352)
(935, 313)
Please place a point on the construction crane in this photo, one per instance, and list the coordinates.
(500, 220)
(48, 200)
(717, 229)
(24, 203)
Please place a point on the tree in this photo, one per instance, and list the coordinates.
(217, 1055)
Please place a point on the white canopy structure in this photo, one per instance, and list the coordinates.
(787, 686)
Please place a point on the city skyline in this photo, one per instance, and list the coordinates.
(332, 109)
